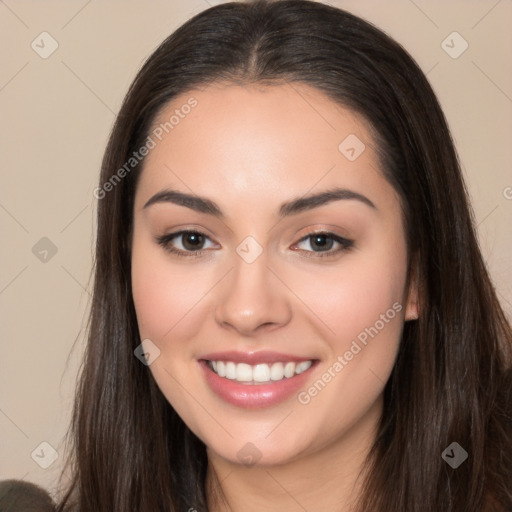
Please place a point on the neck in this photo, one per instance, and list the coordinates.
(327, 478)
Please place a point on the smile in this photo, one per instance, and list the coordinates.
(255, 380)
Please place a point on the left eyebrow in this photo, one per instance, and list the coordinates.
(205, 205)
(313, 201)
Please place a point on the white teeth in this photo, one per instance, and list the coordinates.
(243, 372)
(302, 367)
(277, 371)
(261, 373)
(230, 370)
(289, 370)
(221, 368)
(258, 373)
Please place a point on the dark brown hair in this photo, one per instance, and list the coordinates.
(452, 378)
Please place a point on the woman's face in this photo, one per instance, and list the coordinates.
(276, 323)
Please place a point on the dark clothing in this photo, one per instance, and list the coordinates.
(20, 496)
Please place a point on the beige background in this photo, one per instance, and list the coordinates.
(57, 113)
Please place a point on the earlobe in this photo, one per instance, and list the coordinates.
(412, 306)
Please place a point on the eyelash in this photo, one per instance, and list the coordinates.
(165, 242)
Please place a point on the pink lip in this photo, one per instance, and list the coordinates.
(254, 396)
(253, 358)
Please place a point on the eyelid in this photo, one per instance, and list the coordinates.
(165, 242)
(345, 243)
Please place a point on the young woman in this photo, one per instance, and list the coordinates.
(290, 308)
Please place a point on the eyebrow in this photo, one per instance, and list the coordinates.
(205, 205)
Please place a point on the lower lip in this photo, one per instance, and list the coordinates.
(254, 396)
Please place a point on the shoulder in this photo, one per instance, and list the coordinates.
(20, 496)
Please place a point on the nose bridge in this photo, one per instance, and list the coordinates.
(251, 295)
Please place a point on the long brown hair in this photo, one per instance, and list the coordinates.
(452, 378)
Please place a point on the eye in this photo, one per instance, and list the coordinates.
(188, 243)
(321, 244)
(184, 243)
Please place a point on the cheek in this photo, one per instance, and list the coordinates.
(164, 294)
(362, 305)
(360, 311)
(167, 301)
(354, 296)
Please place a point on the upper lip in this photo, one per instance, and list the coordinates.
(253, 358)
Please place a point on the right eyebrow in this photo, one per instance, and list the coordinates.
(197, 203)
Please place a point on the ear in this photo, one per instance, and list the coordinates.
(412, 305)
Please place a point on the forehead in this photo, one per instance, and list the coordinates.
(253, 140)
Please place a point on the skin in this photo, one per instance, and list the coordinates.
(250, 149)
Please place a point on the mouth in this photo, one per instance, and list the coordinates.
(255, 380)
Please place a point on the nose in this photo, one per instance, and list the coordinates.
(252, 299)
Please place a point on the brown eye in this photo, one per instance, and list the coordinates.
(184, 243)
(192, 241)
(321, 244)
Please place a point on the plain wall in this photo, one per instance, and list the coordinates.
(56, 114)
